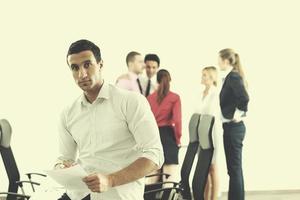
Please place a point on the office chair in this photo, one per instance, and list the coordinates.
(205, 154)
(183, 187)
(200, 129)
(11, 165)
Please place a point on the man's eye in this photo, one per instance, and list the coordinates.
(86, 65)
(74, 68)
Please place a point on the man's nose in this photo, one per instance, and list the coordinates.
(82, 73)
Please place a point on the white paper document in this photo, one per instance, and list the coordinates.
(70, 178)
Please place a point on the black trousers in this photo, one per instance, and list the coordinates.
(233, 138)
(66, 197)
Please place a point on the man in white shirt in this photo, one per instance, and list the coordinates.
(149, 82)
(108, 131)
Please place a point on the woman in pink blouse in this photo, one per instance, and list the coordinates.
(166, 107)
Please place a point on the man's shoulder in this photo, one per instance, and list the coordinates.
(73, 105)
(124, 77)
(117, 92)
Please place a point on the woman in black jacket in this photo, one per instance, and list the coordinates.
(234, 105)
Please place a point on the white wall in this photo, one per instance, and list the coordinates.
(35, 82)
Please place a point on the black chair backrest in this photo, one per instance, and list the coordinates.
(8, 157)
(205, 155)
(190, 156)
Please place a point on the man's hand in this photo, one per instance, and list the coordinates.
(65, 164)
(98, 182)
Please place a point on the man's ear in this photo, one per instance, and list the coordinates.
(101, 63)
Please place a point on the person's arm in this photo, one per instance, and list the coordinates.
(176, 119)
(67, 145)
(124, 82)
(143, 127)
(138, 169)
(239, 92)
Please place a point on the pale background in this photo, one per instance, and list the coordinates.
(35, 82)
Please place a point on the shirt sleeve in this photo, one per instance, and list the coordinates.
(176, 119)
(238, 113)
(124, 84)
(142, 125)
(240, 93)
(67, 145)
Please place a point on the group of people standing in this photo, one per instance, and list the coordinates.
(226, 100)
(165, 104)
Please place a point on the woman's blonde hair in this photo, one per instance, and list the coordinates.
(212, 71)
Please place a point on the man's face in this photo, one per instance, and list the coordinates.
(86, 71)
(138, 64)
(151, 68)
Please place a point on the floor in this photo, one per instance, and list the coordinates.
(272, 195)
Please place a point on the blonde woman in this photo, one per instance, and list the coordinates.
(208, 103)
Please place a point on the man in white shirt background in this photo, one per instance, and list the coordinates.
(108, 131)
(149, 81)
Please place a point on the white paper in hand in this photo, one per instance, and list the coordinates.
(70, 178)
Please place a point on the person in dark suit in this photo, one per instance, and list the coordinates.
(234, 105)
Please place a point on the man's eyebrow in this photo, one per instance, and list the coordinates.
(86, 61)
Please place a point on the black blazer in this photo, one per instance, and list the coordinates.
(233, 95)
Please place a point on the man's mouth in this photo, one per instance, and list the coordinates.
(84, 82)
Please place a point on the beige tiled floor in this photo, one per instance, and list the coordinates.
(284, 195)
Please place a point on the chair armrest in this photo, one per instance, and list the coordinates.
(20, 183)
(166, 182)
(37, 174)
(159, 174)
(16, 195)
(164, 189)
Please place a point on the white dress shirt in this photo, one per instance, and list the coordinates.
(238, 113)
(108, 135)
(144, 82)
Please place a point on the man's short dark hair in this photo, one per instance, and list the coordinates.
(84, 45)
(152, 57)
(131, 56)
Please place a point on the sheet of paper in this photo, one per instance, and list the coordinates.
(70, 178)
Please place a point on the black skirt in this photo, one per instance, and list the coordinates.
(170, 147)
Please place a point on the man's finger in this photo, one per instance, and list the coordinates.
(90, 178)
(94, 189)
(92, 183)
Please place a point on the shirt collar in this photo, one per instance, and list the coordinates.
(103, 94)
(153, 79)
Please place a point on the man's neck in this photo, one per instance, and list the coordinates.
(150, 77)
(132, 71)
(92, 94)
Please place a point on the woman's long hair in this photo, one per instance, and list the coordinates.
(234, 61)
(163, 79)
